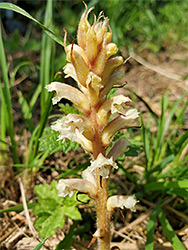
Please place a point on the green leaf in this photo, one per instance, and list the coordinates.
(48, 223)
(151, 228)
(44, 191)
(13, 7)
(17, 208)
(67, 109)
(66, 243)
(166, 185)
(173, 187)
(52, 209)
(49, 142)
(73, 213)
(45, 206)
(169, 232)
(39, 246)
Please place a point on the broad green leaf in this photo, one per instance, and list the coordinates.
(48, 223)
(52, 209)
(45, 191)
(45, 206)
(169, 232)
(13, 7)
(73, 213)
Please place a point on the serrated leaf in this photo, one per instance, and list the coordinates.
(44, 191)
(52, 209)
(49, 142)
(45, 206)
(48, 223)
(73, 213)
(67, 109)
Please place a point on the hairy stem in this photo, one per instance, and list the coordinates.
(103, 217)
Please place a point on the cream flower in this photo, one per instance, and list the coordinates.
(72, 94)
(118, 148)
(74, 127)
(103, 164)
(120, 201)
(68, 186)
(113, 105)
(129, 120)
(89, 176)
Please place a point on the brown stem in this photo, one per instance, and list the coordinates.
(103, 217)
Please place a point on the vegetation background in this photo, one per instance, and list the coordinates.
(155, 33)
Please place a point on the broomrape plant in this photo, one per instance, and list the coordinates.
(92, 65)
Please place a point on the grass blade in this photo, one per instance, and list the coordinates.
(7, 100)
(40, 245)
(169, 232)
(151, 228)
(13, 7)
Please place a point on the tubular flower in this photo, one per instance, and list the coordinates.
(67, 187)
(103, 164)
(120, 201)
(113, 105)
(128, 120)
(118, 148)
(72, 94)
(75, 128)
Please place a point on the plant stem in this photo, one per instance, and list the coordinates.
(103, 217)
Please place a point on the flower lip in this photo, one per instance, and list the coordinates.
(68, 186)
(121, 201)
(75, 128)
(72, 94)
(103, 164)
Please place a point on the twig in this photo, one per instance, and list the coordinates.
(137, 221)
(32, 229)
(123, 235)
(157, 69)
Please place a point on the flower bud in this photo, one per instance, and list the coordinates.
(83, 28)
(91, 45)
(111, 49)
(76, 55)
(110, 67)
